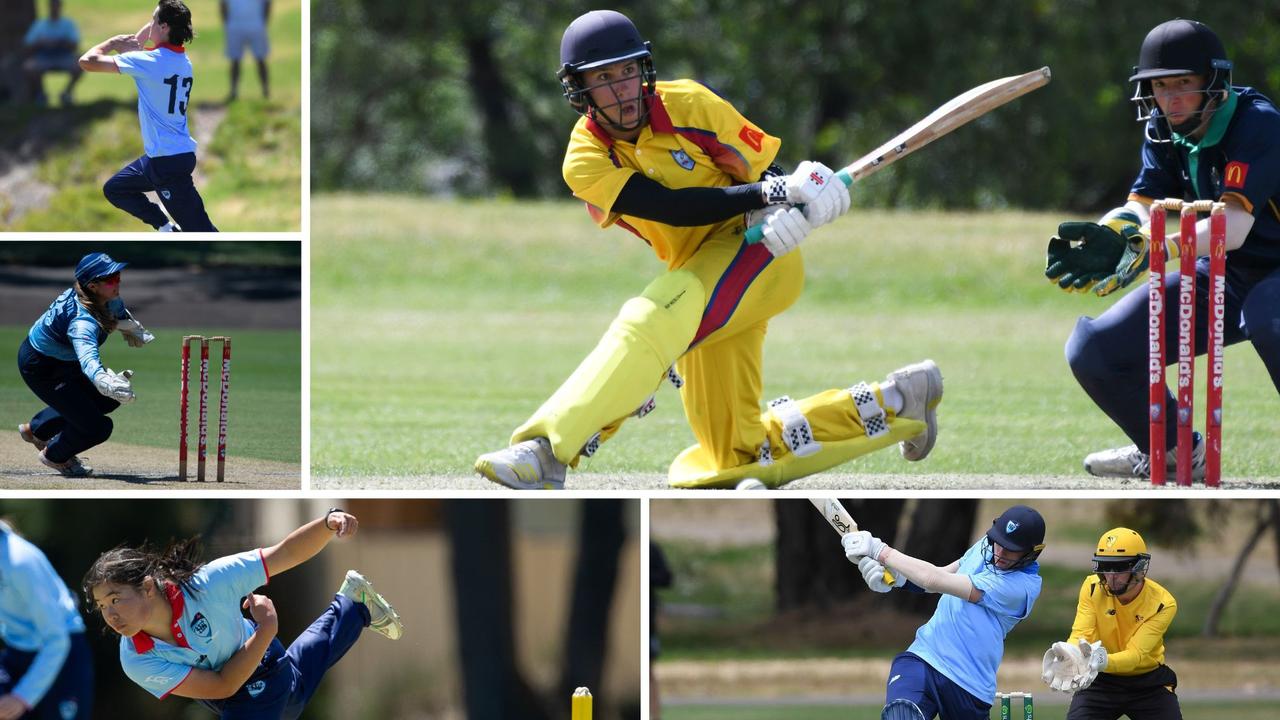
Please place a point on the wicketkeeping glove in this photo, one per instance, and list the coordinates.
(1107, 254)
(133, 332)
(117, 386)
(1063, 667)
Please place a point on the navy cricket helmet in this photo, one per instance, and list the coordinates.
(601, 37)
(1020, 529)
(1180, 47)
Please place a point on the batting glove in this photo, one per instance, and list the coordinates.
(873, 575)
(784, 229)
(858, 545)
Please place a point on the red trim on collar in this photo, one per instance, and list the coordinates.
(659, 120)
(168, 46)
(144, 643)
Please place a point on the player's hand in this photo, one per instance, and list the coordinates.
(873, 575)
(12, 707)
(1062, 667)
(343, 524)
(801, 187)
(124, 43)
(858, 545)
(117, 386)
(1094, 654)
(134, 333)
(263, 612)
(1133, 263)
(1081, 254)
(784, 229)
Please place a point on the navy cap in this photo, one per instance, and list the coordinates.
(96, 265)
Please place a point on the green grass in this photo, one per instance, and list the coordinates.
(264, 418)
(459, 318)
(252, 166)
(1191, 710)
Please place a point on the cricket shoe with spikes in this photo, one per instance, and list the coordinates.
(527, 465)
(1131, 463)
(921, 388)
(72, 468)
(382, 617)
(24, 431)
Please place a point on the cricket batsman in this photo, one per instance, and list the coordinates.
(1113, 660)
(949, 671)
(683, 171)
(1206, 139)
(164, 78)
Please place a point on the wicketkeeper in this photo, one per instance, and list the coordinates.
(59, 361)
(678, 167)
(1114, 659)
(1206, 139)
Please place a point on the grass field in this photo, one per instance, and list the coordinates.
(264, 411)
(1191, 710)
(457, 319)
(250, 169)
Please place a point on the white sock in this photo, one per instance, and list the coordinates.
(893, 400)
(167, 227)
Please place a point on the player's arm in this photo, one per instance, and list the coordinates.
(222, 683)
(302, 544)
(1142, 647)
(930, 577)
(1239, 223)
(99, 59)
(686, 207)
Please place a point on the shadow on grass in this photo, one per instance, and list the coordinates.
(29, 132)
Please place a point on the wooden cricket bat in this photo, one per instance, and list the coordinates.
(957, 111)
(842, 522)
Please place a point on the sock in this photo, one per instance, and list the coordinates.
(893, 401)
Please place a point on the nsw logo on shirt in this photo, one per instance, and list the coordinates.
(200, 624)
(256, 687)
(682, 159)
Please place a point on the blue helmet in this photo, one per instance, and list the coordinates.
(601, 37)
(1020, 529)
(97, 265)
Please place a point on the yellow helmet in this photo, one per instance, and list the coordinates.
(1121, 550)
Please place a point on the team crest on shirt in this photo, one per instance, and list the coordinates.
(68, 709)
(682, 159)
(200, 624)
(256, 687)
(164, 194)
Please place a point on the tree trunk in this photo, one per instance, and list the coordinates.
(941, 530)
(18, 16)
(810, 568)
(1268, 517)
(508, 147)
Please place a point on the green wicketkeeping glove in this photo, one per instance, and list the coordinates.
(1133, 261)
(1081, 254)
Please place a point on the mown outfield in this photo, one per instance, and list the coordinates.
(265, 391)
(439, 326)
(250, 168)
(1191, 710)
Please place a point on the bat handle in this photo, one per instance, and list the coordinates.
(755, 233)
(889, 579)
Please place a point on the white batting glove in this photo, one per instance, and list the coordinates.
(1063, 667)
(858, 545)
(116, 386)
(832, 202)
(784, 229)
(873, 575)
(134, 333)
(801, 187)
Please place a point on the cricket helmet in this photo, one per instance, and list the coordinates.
(598, 38)
(1121, 550)
(1179, 47)
(1020, 529)
(96, 265)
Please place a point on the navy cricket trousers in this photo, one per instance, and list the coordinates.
(911, 678)
(75, 418)
(283, 684)
(1109, 354)
(170, 177)
(71, 695)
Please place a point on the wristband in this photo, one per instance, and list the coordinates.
(331, 511)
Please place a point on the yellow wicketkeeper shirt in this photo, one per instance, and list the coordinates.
(1132, 634)
(694, 138)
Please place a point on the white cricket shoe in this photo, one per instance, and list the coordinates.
(921, 388)
(527, 465)
(1130, 462)
(383, 618)
(72, 468)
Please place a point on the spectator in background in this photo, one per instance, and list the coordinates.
(246, 24)
(51, 46)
